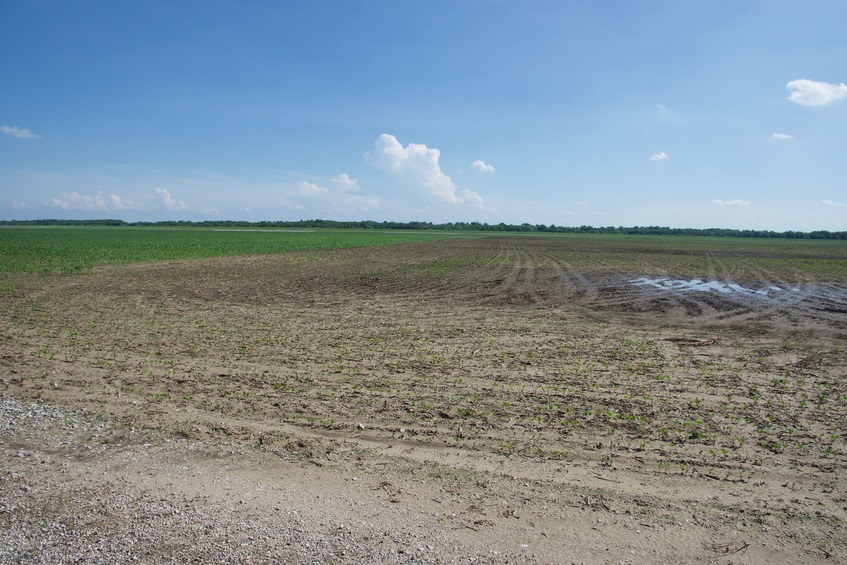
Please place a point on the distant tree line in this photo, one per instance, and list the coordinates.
(449, 226)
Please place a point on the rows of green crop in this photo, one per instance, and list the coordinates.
(74, 249)
(695, 256)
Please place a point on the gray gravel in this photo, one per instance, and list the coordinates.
(74, 490)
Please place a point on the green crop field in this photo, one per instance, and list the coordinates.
(74, 249)
(77, 249)
(824, 260)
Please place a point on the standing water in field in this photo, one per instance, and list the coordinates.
(698, 285)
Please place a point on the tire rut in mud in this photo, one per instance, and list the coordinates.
(556, 274)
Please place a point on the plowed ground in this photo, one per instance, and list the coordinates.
(499, 383)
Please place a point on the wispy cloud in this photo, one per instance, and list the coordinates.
(661, 108)
(77, 201)
(470, 196)
(737, 203)
(310, 198)
(169, 202)
(420, 165)
(15, 131)
(661, 156)
(813, 93)
(344, 183)
(310, 188)
(831, 204)
(482, 167)
(782, 136)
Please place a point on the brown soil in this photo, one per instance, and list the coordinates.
(520, 394)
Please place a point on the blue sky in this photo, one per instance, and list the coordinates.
(684, 114)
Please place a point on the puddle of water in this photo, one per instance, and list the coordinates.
(699, 285)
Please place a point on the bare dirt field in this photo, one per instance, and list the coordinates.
(498, 399)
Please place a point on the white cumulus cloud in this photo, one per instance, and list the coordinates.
(831, 204)
(782, 136)
(118, 203)
(15, 131)
(737, 203)
(77, 201)
(417, 163)
(813, 93)
(169, 202)
(344, 183)
(482, 167)
(661, 156)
